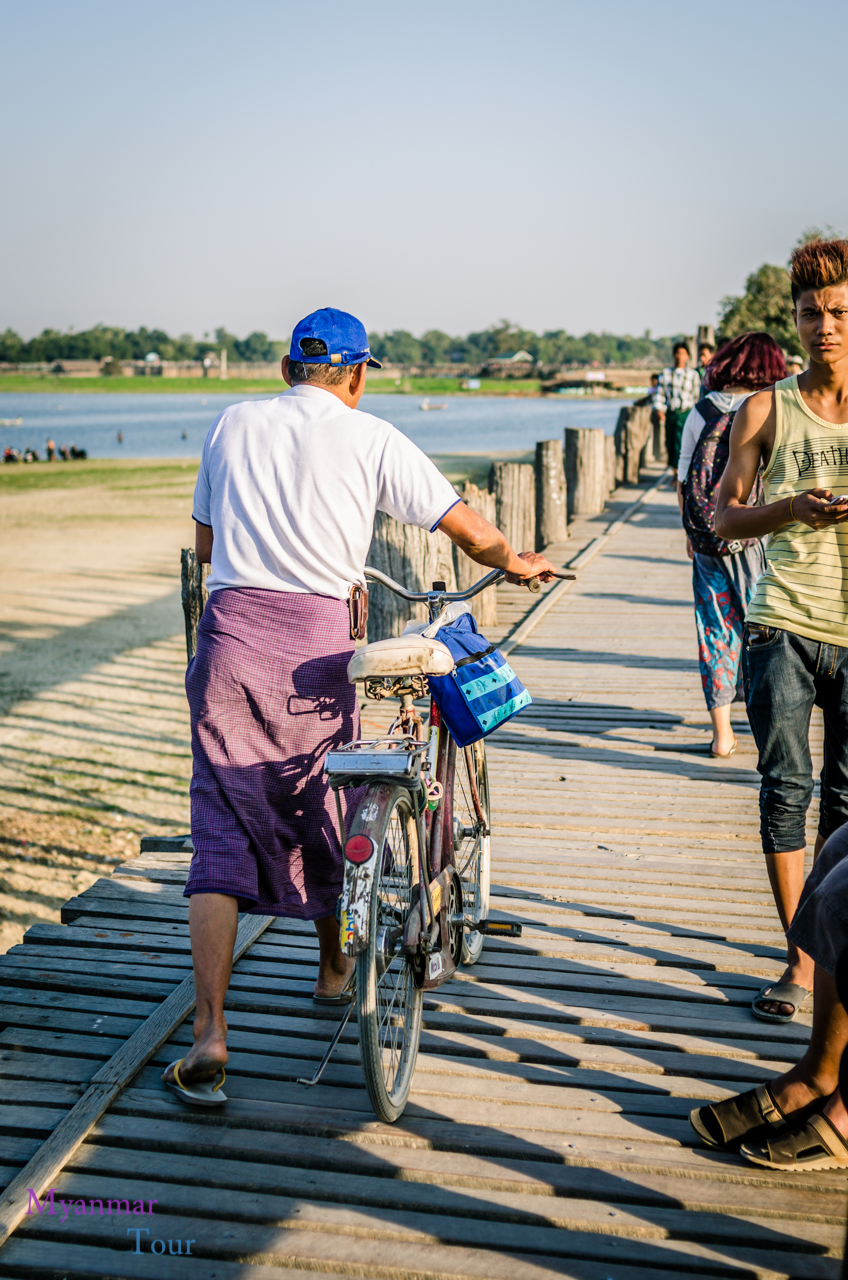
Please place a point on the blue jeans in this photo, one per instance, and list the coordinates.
(787, 675)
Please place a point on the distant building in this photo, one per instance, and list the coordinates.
(77, 368)
(515, 364)
(516, 357)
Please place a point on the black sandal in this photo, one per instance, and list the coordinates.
(818, 1144)
(749, 1117)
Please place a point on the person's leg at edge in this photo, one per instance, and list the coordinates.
(786, 875)
(213, 924)
(334, 967)
(723, 736)
(719, 628)
(817, 1074)
(780, 684)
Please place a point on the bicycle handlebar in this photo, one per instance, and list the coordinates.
(376, 576)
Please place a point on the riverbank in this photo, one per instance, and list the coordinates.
(153, 478)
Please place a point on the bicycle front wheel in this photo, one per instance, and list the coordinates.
(389, 1002)
(472, 840)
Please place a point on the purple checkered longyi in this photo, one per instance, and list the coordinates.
(269, 696)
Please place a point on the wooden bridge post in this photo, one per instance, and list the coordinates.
(485, 606)
(194, 595)
(610, 480)
(413, 557)
(585, 470)
(632, 435)
(551, 504)
(514, 487)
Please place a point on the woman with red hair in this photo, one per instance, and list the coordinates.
(724, 574)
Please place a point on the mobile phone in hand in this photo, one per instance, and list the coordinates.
(840, 497)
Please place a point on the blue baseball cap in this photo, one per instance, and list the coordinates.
(329, 336)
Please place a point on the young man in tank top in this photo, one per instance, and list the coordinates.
(796, 634)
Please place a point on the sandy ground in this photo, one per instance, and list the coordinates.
(94, 747)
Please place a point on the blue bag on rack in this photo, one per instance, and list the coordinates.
(483, 691)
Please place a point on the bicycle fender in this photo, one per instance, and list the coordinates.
(359, 870)
(356, 905)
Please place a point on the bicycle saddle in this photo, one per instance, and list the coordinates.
(408, 655)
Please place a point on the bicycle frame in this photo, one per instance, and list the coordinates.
(433, 784)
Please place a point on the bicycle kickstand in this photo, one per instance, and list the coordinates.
(337, 1034)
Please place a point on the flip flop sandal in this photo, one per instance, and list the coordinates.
(344, 997)
(200, 1093)
(723, 755)
(779, 993)
(816, 1145)
(747, 1117)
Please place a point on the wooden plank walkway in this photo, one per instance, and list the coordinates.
(547, 1131)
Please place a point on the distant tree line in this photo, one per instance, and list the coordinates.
(104, 342)
(554, 347)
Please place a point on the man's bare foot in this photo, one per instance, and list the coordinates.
(333, 977)
(802, 974)
(836, 1113)
(203, 1062)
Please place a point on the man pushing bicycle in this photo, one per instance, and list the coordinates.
(284, 507)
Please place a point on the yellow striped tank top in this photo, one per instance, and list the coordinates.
(804, 588)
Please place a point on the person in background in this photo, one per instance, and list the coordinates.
(648, 398)
(706, 351)
(795, 364)
(678, 388)
(723, 574)
(51, 450)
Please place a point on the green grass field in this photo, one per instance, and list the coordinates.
(18, 383)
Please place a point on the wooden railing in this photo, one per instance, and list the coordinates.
(531, 504)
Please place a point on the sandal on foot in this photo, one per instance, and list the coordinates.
(746, 1118)
(815, 1145)
(779, 993)
(198, 1093)
(723, 755)
(344, 997)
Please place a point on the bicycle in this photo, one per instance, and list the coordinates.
(426, 803)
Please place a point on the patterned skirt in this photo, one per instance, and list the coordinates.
(723, 587)
(269, 696)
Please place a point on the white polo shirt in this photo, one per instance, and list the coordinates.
(290, 488)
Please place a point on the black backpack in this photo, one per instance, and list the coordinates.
(703, 479)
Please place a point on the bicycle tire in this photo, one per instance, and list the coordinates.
(472, 840)
(389, 1003)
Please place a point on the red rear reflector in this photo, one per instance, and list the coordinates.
(359, 848)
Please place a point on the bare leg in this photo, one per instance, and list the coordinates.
(786, 876)
(213, 922)
(817, 1074)
(334, 967)
(723, 736)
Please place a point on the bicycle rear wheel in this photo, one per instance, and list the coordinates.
(389, 1002)
(472, 840)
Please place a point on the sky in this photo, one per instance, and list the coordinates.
(615, 165)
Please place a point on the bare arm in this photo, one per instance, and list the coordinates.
(486, 545)
(203, 542)
(751, 440)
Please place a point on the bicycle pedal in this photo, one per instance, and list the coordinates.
(499, 929)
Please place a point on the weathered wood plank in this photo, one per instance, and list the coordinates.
(105, 1085)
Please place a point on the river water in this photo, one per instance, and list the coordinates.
(174, 426)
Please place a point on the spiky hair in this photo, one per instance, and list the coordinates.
(817, 264)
